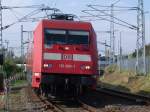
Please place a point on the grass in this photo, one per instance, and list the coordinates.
(14, 96)
(126, 80)
(19, 83)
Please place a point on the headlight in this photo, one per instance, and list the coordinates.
(37, 74)
(85, 67)
(47, 65)
(66, 48)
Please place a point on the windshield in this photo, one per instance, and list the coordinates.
(78, 37)
(55, 37)
(65, 37)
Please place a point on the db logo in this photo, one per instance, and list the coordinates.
(67, 57)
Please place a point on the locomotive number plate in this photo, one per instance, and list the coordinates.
(66, 66)
(67, 57)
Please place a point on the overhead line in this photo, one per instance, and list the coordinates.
(114, 10)
(116, 2)
(16, 7)
(14, 13)
(109, 20)
(116, 6)
(91, 19)
(113, 17)
(26, 17)
(89, 16)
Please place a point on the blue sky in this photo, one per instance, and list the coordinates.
(75, 6)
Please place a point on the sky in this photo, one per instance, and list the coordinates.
(75, 7)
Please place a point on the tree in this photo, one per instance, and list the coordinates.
(10, 67)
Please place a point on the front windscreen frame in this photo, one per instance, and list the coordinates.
(70, 37)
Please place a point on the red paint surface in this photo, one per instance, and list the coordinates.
(38, 50)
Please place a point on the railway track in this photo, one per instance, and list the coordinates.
(33, 103)
(68, 105)
(53, 104)
(137, 98)
(87, 107)
(41, 104)
(48, 104)
(91, 102)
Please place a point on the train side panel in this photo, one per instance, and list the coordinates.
(37, 56)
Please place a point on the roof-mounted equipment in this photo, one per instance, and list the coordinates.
(63, 17)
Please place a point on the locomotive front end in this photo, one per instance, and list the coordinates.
(68, 55)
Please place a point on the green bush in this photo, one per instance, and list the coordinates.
(10, 67)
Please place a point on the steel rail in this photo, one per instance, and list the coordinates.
(57, 108)
(50, 105)
(87, 107)
(135, 97)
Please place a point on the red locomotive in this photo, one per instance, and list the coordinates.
(64, 53)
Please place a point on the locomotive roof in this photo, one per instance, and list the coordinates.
(66, 23)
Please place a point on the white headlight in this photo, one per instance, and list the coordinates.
(45, 65)
(37, 74)
(87, 67)
(66, 48)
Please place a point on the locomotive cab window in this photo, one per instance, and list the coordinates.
(78, 37)
(54, 37)
(65, 37)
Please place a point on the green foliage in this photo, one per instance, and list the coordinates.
(18, 60)
(134, 54)
(19, 83)
(10, 67)
(147, 49)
